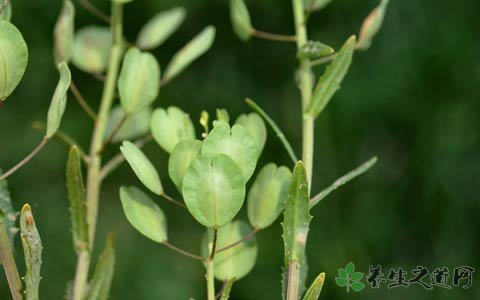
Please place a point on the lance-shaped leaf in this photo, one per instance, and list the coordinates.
(241, 23)
(267, 195)
(171, 126)
(316, 4)
(133, 126)
(102, 279)
(330, 81)
(9, 215)
(190, 52)
(372, 24)
(144, 214)
(13, 58)
(296, 217)
(32, 249)
(314, 49)
(142, 167)
(159, 28)
(256, 127)
(214, 189)
(237, 261)
(6, 13)
(139, 80)
(91, 48)
(59, 100)
(182, 155)
(64, 33)
(313, 292)
(76, 196)
(226, 289)
(235, 142)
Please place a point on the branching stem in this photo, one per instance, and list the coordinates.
(183, 252)
(240, 241)
(273, 36)
(83, 103)
(26, 159)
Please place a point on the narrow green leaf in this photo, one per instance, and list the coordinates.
(242, 25)
(91, 48)
(371, 25)
(226, 289)
(142, 167)
(144, 214)
(64, 33)
(214, 189)
(314, 50)
(275, 128)
(13, 58)
(76, 196)
(343, 180)
(139, 80)
(330, 81)
(32, 249)
(256, 127)
(7, 259)
(9, 214)
(59, 100)
(190, 52)
(237, 261)
(297, 217)
(235, 142)
(6, 13)
(267, 196)
(313, 292)
(179, 161)
(102, 279)
(171, 126)
(159, 28)
(134, 126)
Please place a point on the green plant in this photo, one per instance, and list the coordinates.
(131, 74)
(210, 170)
(349, 278)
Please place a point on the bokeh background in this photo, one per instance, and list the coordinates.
(412, 100)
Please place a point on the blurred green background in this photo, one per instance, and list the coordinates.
(412, 100)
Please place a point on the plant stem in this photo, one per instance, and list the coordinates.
(210, 280)
(94, 10)
(94, 176)
(82, 102)
(25, 160)
(273, 36)
(210, 269)
(242, 240)
(8, 262)
(306, 86)
(181, 251)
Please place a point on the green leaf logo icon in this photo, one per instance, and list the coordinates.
(349, 278)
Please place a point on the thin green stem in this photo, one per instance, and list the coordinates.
(115, 131)
(25, 160)
(256, 108)
(273, 36)
(306, 87)
(343, 180)
(94, 10)
(181, 251)
(82, 102)
(210, 280)
(172, 200)
(8, 263)
(94, 176)
(240, 241)
(4, 5)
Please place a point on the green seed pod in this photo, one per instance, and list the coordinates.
(14, 54)
(267, 195)
(142, 167)
(182, 155)
(59, 100)
(240, 18)
(139, 80)
(256, 127)
(144, 214)
(171, 126)
(64, 33)
(91, 48)
(314, 50)
(159, 28)
(371, 25)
